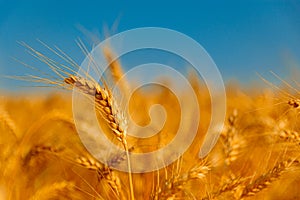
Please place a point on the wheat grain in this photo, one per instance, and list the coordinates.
(290, 136)
(295, 103)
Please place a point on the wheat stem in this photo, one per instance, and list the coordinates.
(129, 170)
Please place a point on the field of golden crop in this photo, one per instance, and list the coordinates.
(256, 157)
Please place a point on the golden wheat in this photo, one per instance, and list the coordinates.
(42, 156)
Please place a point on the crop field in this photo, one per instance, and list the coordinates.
(43, 157)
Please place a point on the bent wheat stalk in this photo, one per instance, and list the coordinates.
(56, 190)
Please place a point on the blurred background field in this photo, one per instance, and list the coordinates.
(256, 156)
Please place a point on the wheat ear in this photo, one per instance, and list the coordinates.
(175, 184)
(104, 103)
(116, 70)
(55, 190)
(232, 141)
(266, 179)
(7, 121)
(103, 171)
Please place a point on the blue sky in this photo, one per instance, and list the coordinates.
(242, 37)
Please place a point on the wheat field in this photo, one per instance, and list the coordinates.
(42, 156)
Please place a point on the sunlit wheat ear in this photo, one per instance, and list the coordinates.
(104, 103)
(173, 187)
(9, 136)
(6, 120)
(104, 173)
(232, 141)
(290, 136)
(116, 70)
(265, 180)
(86, 85)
